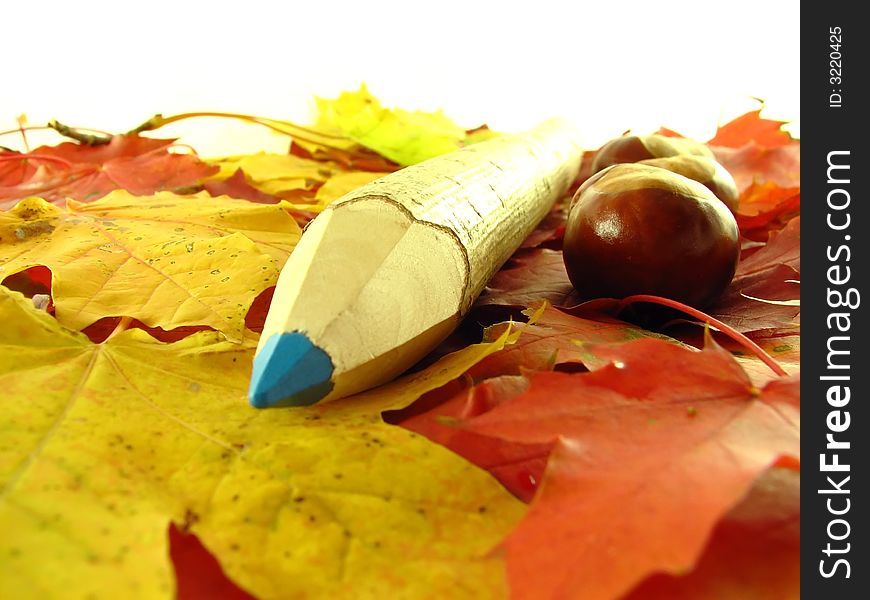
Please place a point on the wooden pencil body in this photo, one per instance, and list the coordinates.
(387, 271)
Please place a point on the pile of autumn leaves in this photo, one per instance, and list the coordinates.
(575, 455)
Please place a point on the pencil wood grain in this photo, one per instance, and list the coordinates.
(388, 270)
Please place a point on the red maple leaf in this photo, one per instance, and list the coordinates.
(198, 575)
(754, 552)
(556, 337)
(752, 163)
(519, 467)
(766, 206)
(650, 452)
(70, 170)
(750, 127)
(768, 274)
(529, 276)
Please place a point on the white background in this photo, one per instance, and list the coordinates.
(607, 65)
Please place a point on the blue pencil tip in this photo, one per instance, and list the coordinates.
(290, 371)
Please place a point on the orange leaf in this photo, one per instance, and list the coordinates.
(752, 128)
(139, 165)
(754, 553)
(752, 163)
(766, 206)
(650, 453)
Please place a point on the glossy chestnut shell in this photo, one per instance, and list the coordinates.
(639, 229)
(634, 148)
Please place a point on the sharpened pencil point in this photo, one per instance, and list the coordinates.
(290, 371)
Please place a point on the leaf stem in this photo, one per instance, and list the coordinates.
(285, 127)
(726, 329)
(122, 325)
(87, 139)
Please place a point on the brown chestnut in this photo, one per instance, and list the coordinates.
(634, 148)
(639, 229)
(703, 170)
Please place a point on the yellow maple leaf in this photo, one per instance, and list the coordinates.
(405, 137)
(342, 183)
(103, 445)
(276, 174)
(167, 260)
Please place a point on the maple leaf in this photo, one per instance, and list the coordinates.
(237, 186)
(768, 274)
(197, 573)
(280, 175)
(661, 431)
(754, 164)
(167, 260)
(117, 440)
(139, 165)
(765, 207)
(340, 184)
(550, 230)
(402, 136)
(753, 554)
(784, 345)
(556, 337)
(518, 466)
(308, 184)
(351, 157)
(529, 276)
(751, 128)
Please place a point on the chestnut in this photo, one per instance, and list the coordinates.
(640, 229)
(703, 170)
(634, 148)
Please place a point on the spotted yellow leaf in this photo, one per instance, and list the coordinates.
(103, 445)
(167, 260)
